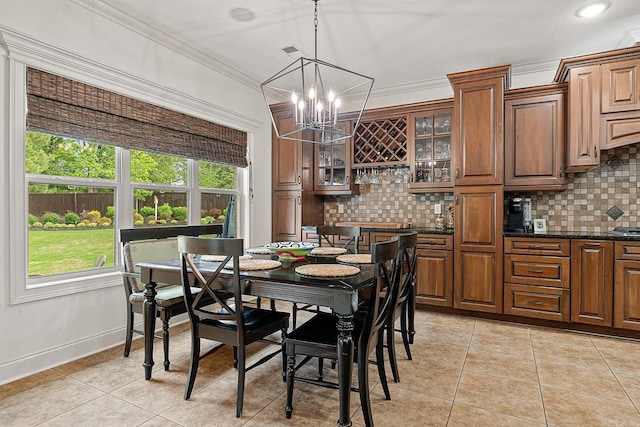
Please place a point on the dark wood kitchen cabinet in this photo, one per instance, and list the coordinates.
(536, 276)
(293, 203)
(434, 270)
(333, 174)
(534, 138)
(478, 248)
(603, 104)
(477, 135)
(430, 152)
(583, 118)
(626, 304)
(592, 282)
(286, 155)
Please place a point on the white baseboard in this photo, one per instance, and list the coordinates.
(68, 352)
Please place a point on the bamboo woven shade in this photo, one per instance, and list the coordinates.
(64, 107)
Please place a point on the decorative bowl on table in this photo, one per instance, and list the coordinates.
(291, 250)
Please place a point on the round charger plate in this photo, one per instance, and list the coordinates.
(220, 258)
(254, 264)
(328, 251)
(327, 270)
(355, 259)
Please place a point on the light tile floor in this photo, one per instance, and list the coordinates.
(465, 372)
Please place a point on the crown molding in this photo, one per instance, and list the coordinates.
(23, 48)
(155, 35)
(629, 38)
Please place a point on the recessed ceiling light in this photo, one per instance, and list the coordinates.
(242, 14)
(592, 9)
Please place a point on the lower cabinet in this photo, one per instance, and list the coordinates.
(592, 282)
(536, 275)
(434, 270)
(626, 305)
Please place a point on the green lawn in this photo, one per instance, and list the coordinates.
(63, 251)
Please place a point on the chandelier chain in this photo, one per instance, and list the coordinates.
(315, 25)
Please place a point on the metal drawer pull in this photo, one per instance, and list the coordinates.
(535, 271)
(535, 303)
(591, 244)
(535, 246)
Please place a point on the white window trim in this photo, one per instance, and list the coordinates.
(23, 51)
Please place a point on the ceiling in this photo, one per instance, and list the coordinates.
(402, 44)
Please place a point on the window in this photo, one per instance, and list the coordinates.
(65, 186)
(70, 222)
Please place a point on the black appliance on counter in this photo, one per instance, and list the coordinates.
(519, 215)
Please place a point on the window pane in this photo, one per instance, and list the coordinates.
(57, 156)
(215, 209)
(158, 168)
(215, 175)
(153, 208)
(70, 229)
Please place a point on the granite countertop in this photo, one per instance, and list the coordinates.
(606, 235)
(375, 227)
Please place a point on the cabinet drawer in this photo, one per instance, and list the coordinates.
(435, 241)
(537, 246)
(627, 250)
(537, 270)
(536, 301)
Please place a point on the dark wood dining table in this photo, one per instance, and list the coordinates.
(283, 283)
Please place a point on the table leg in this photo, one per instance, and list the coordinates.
(345, 367)
(149, 316)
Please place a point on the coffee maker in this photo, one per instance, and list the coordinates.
(519, 215)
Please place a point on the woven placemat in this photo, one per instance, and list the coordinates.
(254, 264)
(327, 270)
(220, 258)
(259, 250)
(355, 259)
(328, 251)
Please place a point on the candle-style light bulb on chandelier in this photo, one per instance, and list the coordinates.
(317, 92)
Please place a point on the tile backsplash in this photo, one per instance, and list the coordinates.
(581, 208)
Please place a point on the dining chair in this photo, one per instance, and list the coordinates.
(232, 324)
(154, 244)
(406, 271)
(345, 237)
(318, 337)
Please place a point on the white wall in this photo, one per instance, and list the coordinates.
(38, 335)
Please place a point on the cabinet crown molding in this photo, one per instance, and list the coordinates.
(567, 64)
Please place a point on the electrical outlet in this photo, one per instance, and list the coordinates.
(437, 209)
(340, 208)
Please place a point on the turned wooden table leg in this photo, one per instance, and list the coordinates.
(345, 367)
(149, 316)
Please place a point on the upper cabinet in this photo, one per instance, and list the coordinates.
(477, 134)
(603, 104)
(286, 156)
(333, 167)
(430, 154)
(534, 138)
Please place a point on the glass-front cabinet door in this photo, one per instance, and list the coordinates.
(430, 151)
(333, 168)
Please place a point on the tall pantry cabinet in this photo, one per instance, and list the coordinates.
(478, 144)
(292, 181)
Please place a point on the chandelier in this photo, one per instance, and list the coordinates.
(317, 92)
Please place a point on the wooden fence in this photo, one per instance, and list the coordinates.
(80, 203)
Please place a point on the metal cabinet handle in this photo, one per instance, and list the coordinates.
(561, 172)
(535, 271)
(535, 303)
(299, 200)
(457, 173)
(595, 151)
(591, 244)
(457, 199)
(299, 179)
(535, 246)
